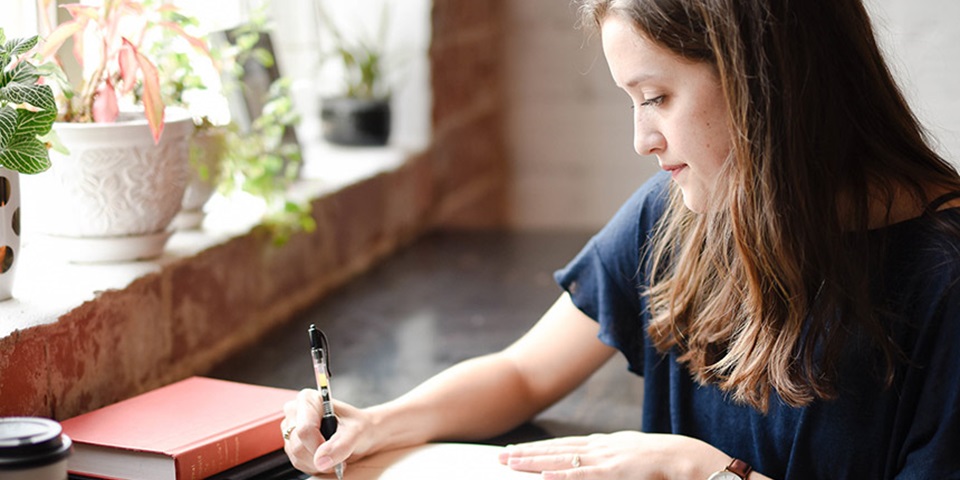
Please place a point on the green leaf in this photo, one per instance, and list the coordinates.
(52, 140)
(24, 73)
(51, 71)
(27, 110)
(40, 107)
(25, 154)
(19, 46)
(4, 55)
(263, 57)
(247, 41)
(8, 124)
(36, 122)
(12, 49)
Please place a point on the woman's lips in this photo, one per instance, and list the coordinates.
(674, 169)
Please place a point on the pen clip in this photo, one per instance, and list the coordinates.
(318, 340)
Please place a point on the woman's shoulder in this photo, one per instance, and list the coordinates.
(921, 280)
(654, 194)
(618, 246)
(928, 246)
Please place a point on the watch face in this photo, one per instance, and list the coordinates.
(724, 475)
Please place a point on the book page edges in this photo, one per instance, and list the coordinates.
(107, 462)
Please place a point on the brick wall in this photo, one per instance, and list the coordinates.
(199, 309)
(468, 146)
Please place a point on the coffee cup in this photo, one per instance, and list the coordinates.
(33, 448)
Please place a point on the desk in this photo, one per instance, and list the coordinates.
(448, 297)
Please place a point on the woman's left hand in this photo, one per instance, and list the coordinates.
(622, 455)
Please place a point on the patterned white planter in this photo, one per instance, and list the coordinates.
(113, 198)
(206, 155)
(9, 230)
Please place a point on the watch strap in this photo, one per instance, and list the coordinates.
(739, 468)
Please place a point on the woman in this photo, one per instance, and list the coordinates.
(788, 288)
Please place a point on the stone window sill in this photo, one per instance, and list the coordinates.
(47, 287)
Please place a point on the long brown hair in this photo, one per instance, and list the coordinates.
(763, 292)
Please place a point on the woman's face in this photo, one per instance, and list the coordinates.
(679, 110)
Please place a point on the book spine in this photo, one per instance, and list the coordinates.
(206, 459)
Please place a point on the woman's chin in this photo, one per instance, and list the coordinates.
(694, 203)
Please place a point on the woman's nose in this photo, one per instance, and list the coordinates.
(646, 139)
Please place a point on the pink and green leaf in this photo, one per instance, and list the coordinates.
(56, 38)
(127, 58)
(152, 101)
(105, 109)
(80, 12)
(193, 41)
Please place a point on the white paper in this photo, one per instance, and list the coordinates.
(434, 461)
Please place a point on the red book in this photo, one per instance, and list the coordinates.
(190, 429)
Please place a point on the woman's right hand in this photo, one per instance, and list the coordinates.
(307, 449)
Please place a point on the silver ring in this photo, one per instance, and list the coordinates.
(288, 431)
(576, 461)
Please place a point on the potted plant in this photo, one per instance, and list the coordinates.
(256, 159)
(27, 112)
(257, 162)
(114, 196)
(191, 79)
(360, 113)
(262, 158)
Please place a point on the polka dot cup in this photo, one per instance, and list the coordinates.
(9, 229)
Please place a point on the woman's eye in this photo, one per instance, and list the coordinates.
(652, 102)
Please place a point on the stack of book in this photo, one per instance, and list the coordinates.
(192, 429)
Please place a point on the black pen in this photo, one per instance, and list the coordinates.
(321, 368)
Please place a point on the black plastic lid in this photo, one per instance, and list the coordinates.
(30, 442)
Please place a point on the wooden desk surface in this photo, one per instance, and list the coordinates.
(448, 297)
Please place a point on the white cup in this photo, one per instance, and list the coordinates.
(33, 448)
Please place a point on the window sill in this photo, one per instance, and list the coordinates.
(47, 287)
(76, 337)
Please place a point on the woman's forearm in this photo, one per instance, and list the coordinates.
(489, 395)
(476, 399)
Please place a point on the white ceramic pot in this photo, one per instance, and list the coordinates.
(113, 197)
(9, 230)
(206, 157)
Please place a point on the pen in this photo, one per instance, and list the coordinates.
(320, 352)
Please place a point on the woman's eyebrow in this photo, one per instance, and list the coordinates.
(640, 78)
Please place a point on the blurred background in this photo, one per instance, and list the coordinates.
(565, 128)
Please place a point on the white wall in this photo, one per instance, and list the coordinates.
(569, 128)
(922, 43)
(19, 18)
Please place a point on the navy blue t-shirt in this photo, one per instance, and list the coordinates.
(908, 431)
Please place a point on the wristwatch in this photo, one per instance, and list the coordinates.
(737, 470)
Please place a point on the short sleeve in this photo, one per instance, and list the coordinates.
(606, 278)
(931, 448)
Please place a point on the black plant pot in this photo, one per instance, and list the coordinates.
(355, 121)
